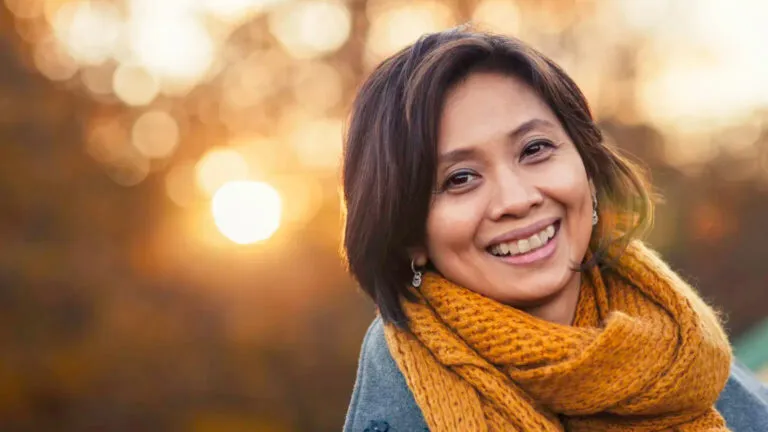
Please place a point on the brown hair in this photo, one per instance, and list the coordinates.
(391, 150)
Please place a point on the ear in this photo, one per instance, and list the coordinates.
(592, 188)
(418, 255)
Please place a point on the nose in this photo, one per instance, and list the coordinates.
(513, 195)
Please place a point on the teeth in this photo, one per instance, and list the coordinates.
(513, 249)
(525, 245)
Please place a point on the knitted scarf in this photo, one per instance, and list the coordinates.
(644, 353)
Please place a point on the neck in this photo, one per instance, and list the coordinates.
(561, 308)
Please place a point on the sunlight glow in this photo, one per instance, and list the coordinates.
(134, 85)
(172, 43)
(220, 166)
(77, 23)
(501, 16)
(393, 26)
(311, 28)
(155, 134)
(235, 10)
(247, 212)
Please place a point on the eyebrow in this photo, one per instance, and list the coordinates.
(464, 153)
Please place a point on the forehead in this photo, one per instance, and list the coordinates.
(487, 106)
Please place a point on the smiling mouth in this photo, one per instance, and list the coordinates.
(526, 245)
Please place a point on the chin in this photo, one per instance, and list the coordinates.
(536, 291)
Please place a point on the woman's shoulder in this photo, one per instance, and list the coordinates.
(744, 401)
(381, 399)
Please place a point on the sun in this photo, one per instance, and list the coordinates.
(246, 212)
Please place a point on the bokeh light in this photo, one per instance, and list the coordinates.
(704, 72)
(236, 10)
(98, 80)
(171, 42)
(311, 28)
(52, 60)
(317, 86)
(134, 85)
(129, 170)
(500, 16)
(246, 212)
(302, 198)
(180, 184)
(318, 142)
(155, 134)
(88, 29)
(248, 82)
(25, 9)
(220, 166)
(397, 24)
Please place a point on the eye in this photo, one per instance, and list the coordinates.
(538, 150)
(459, 180)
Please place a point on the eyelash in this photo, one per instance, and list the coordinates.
(546, 144)
(543, 143)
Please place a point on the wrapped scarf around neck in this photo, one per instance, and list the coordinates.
(644, 353)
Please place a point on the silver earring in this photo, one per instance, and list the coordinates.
(595, 218)
(416, 281)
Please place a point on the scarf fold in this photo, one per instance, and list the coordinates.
(644, 353)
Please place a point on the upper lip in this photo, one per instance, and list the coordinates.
(524, 232)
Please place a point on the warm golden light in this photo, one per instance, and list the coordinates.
(218, 167)
(170, 41)
(180, 184)
(89, 30)
(98, 79)
(393, 26)
(311, 28)
(303, 198)
(318, 143)
(246, 83)
(134, 85)
(155, 134)
(706, 71)
(107, 141)
(53, 61)
(129, 170)
(235, 10)
(246, 212)
(318, 86)
(500, 16)
(25, 9)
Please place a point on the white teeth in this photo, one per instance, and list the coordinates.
(525, 245)
(503, 249)
(513, 249)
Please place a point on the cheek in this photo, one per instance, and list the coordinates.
(452, 224)
(567, 183)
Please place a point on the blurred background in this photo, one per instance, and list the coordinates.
(169, 193)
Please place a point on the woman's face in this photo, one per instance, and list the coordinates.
(512, 213)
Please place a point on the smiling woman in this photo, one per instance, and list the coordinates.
(498, 236)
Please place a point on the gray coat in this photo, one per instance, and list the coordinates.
(382, 402)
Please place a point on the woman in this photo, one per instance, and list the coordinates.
(497, 235)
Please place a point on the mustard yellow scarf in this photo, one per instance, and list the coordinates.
(644, 353)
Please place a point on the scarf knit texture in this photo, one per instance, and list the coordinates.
(644, 353)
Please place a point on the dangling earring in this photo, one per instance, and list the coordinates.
(416, 281)
(595, 218)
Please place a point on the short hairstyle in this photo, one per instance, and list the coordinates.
(390, 155)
